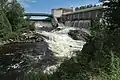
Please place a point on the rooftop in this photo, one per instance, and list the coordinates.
(62, 9)
(83, 10)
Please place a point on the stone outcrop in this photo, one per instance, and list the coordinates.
(78, 35)
(30, 36)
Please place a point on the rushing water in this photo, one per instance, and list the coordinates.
(45, 55)
(79, 23)
(61, 44)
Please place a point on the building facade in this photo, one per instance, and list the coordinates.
(82, 18)
(58, 12)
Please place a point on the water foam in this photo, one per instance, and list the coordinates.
(61, 43)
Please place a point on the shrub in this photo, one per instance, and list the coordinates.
(35, 76)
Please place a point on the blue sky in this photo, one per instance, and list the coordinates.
(47, 5)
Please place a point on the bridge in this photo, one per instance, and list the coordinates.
(38, 14)
(51, 19)
(29, 15)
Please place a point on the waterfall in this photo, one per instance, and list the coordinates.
(68, 23)
(86, 24)
(80, 24)
(61, 44)
(75, 24)
(72, 23)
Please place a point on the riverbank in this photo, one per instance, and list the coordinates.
(29, 36)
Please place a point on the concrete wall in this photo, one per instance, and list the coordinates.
(79, 23)
(57, 13)
(82, 18)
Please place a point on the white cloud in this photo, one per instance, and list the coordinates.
(34, 1)
(26, 3)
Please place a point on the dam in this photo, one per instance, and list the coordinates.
(82, 18)
(67, 16)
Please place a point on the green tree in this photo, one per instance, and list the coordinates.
(5, 26)
(15, 15)
(76, 9)
(3, 3)
(112, 22)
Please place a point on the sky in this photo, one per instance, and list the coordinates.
(46, 5)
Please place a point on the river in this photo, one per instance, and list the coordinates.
(45, 55)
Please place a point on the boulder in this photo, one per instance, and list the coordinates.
(78, 35)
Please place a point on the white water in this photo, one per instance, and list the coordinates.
(61, 44)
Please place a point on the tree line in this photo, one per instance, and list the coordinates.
(86, 6)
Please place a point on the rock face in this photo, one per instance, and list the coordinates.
(17, 58)
(78, 35)
(27, 37)
(31, 36)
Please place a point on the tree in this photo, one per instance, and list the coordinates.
(3, 3)
(5, 26)
(95, 5)
(76, 9)
(89, 6)
(112, 19)
(15, 14)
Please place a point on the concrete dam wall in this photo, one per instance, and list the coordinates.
(82, 18)
(79, 23)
